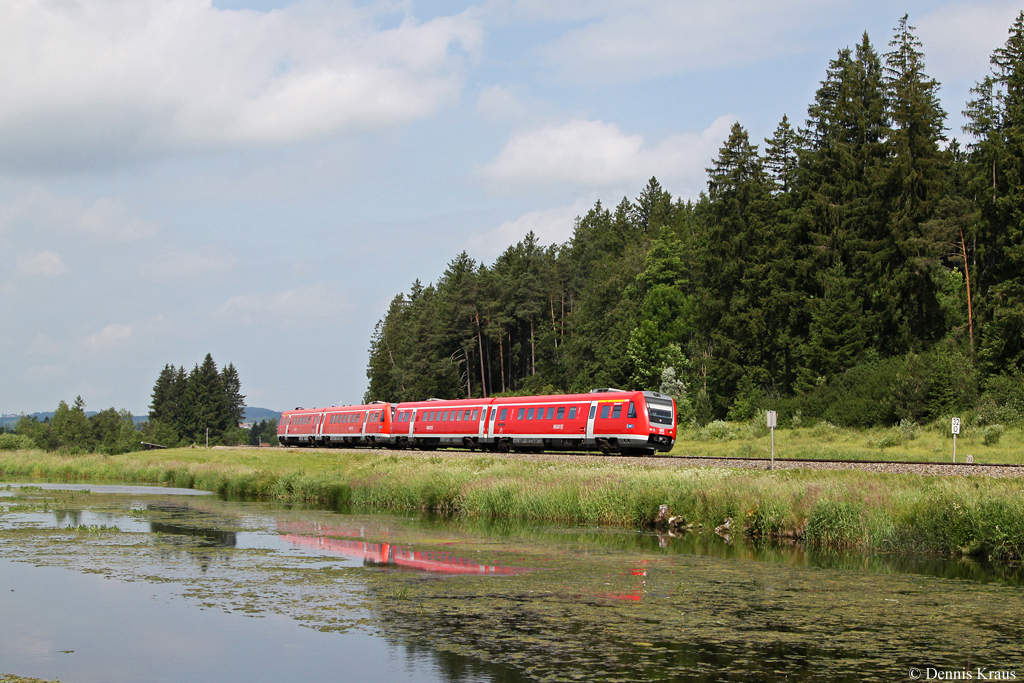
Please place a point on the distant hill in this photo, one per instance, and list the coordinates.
(259, 414)
(251, 415)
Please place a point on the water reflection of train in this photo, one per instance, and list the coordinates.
(388, 554)
(609, 420)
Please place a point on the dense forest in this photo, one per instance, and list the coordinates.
(863, 268)
(189, 407)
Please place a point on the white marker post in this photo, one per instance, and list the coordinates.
(771, 425)
(956, 430)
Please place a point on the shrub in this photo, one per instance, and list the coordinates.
(991, 434)
(16, 442)
(718, 430)
(908, 430)
(1002, 400)
(887, 439)
(825, 431)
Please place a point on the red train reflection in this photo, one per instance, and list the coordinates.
(387, 554)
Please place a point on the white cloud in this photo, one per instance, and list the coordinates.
(110, 336)
(320, 305)
(551, 226)
(105, 219)
(499, 103)
(597, 154)
(45, 263)
(177, 265)
(112, 218)
(88, 83)
(959, 39)
(649, 38)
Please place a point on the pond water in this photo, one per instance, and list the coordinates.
(131, 584)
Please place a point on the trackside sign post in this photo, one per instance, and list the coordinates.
(771, 425)
(956, 430)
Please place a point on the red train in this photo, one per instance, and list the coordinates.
(608, 420)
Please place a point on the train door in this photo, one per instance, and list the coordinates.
(494, 417)
(482, 431)
(590, 423)
(365, 418)
(412, 422)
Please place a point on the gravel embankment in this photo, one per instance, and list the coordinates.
(929, 469)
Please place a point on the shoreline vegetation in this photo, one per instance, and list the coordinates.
(835, 509)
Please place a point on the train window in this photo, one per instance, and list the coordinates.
(604, 411)
(519, 415)
(476, 414)
(551, 413)
(572, 413)
(359, 417)
(529, 413)
(468, 414)
(444, 416)
(617, 410)
(504, 413)
(593, 411)
(632, 411)
(561, 413)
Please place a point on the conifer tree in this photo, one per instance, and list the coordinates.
(996, 119)
(904, 303)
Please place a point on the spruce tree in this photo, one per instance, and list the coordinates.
(904, 303)
(996, 118)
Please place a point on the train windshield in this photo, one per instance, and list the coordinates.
(660, 411)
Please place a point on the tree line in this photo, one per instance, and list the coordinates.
(109, 431)
(185, 405)
(861, 268)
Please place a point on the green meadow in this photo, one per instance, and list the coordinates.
(901, 513)
(993, 444)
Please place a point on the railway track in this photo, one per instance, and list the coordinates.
(668, 461)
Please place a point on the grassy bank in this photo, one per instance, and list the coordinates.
(826, 509)
(932, 443)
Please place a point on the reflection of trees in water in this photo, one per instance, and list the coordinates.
(190, 533)
(67, 517)
(454, 667)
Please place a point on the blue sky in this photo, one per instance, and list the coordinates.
(257, 180)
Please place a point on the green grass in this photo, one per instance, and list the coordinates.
(977, 516)
(931, 443)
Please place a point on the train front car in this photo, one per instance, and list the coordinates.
(608, 420)
(661, 421)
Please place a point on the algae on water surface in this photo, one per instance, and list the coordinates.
(582, 604)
